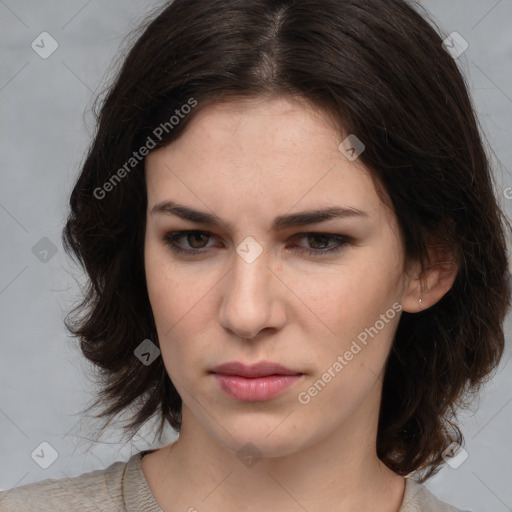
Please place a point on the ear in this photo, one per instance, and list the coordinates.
(429, 284)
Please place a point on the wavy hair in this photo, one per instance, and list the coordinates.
(378, 68)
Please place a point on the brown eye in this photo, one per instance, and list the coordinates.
(322, 244)
(194, 240)
(195, 243)
(319, 241)
(188, 242)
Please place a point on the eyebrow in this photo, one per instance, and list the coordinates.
(280, 223)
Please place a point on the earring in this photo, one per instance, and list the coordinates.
(419, 303)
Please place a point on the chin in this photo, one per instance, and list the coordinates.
(269, 437)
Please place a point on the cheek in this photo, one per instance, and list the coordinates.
(352, 294)
(362, 313)
(171, 289)
(352, 312)
(179, 299)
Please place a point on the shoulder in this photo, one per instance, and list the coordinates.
(417, 498)
(87, 492)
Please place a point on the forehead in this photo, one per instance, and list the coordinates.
(262, 152)
(253, 124)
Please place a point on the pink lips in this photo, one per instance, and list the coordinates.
(254, 383)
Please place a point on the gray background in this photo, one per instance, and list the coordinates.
(45, 129)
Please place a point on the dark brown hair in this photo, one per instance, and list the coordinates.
(378, 67)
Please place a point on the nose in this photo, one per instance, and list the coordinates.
(252, 298)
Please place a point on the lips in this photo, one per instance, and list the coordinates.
(261, 369)
(259, 382)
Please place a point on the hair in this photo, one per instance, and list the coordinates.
(377, 67)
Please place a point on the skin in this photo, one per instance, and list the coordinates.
(249, 161)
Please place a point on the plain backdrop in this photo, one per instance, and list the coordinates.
(46, 126)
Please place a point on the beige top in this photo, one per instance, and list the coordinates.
(122, 487)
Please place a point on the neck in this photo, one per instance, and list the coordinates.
(339, 472)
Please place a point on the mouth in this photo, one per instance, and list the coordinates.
(261, 369)
(254, 383)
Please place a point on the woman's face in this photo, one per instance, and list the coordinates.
(246, 289)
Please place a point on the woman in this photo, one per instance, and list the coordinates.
(282, 217)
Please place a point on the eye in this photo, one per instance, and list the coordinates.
(320, 243)
(195, 239)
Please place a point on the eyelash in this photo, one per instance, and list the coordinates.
(171, 238)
